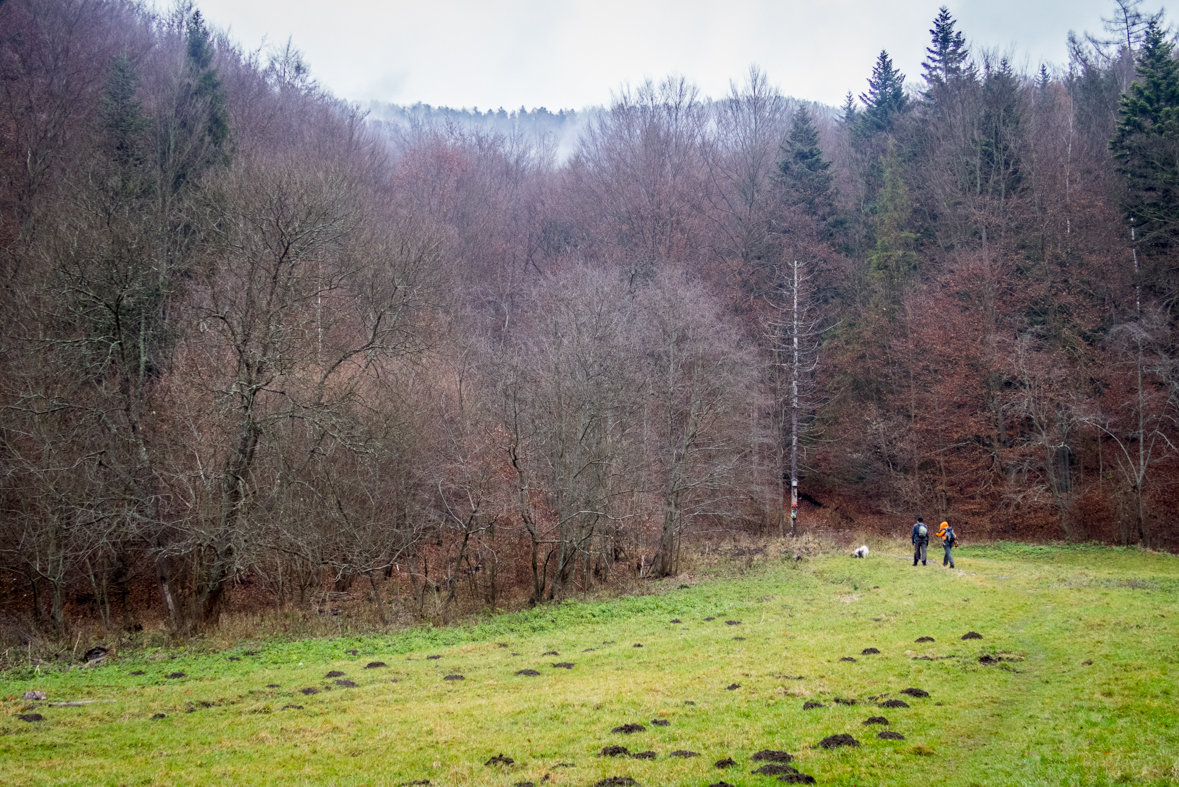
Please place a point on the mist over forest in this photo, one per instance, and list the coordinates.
(259, 343)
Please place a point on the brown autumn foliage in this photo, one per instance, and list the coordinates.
(259, 350)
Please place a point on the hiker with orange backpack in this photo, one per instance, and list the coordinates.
(949, 541)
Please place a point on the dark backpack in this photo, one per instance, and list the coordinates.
(922, 531)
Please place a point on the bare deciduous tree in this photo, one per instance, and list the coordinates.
(701, 379)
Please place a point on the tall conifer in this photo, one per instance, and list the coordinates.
(946, 58)
(1145, 144)
(885, 98)
(802, 170)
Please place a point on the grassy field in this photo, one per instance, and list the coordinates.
(1073, 682)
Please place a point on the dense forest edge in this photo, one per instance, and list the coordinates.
(262, 347)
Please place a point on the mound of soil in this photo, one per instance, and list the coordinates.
(676, 620)
(30, 717)
(727, 762)
(352, 652)
(158, 716)
(732, 623)
(499, 759)
(732, 687)
(334, 674)
(346, 684)
(926, 639)
(433, 658)
(869, 652)
(811, 704)
(614, 751)
(915, 692)
(309, 691)
(638, 645)
(661, 722)
(531, 673)
(772, 755)
(137, 672)
(775, 769)
(454, 677)
(616, 781)
(848, 658)
(550, 653)
(889, 735)
(738, 639)
(292, 707)
(564, 765)
(720, 784)
(643, 755)
(375, 665)
(894, 704)
(97, 653)
(684, 753)
(563, 665)
(273, 686)
(608, 642)
(835, 741)
(689, 702)
(972, 635)
(588, 650)
(175, 675)
(797, 778)
(627, 729)
(876, 720)
(844, 701)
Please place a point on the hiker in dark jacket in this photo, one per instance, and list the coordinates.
(949, 541)
(920, 541)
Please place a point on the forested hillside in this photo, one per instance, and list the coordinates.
(252, 336)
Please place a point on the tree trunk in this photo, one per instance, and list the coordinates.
(377, 600)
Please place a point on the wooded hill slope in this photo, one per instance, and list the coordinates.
(250, 336)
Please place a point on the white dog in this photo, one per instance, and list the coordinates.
(861, 552)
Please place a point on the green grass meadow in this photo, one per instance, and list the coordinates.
(1078, 686)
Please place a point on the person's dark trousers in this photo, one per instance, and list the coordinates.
(948, 559)
(919, 552)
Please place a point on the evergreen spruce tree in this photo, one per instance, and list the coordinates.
(124, 130)
(202, 118)
(124, 290)
(946, 58)
(999, 173)
(893, 261)
(803, 172)
(851, 112)
(885, 99)
(1145, 144)
(1044, 79)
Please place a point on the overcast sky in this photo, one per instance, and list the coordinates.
(572, 54)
